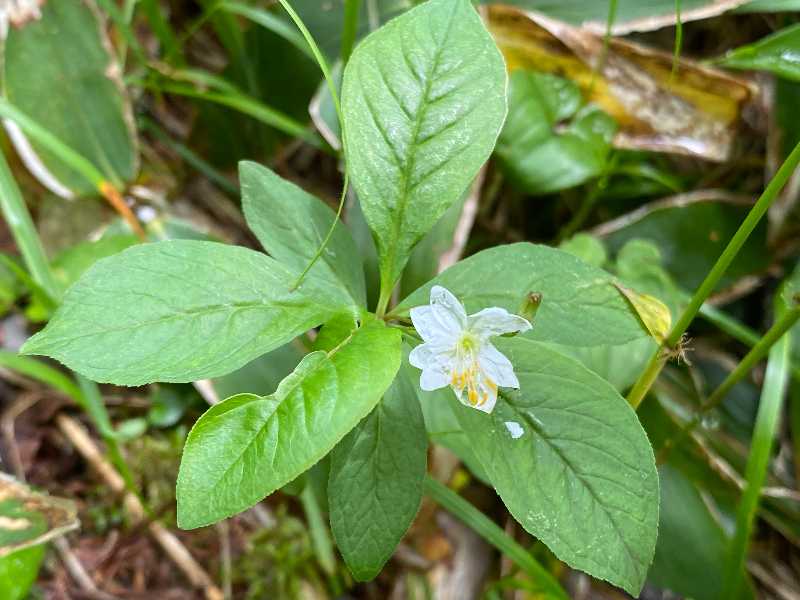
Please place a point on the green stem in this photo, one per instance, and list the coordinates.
(738, 331)
(769, 409)
(323, 64)
(328, 235)
(326, 72)
(498, 538)
(676, 54)
(784, 323)
(318, 530)
(383, 300)
(657, 362)
(349, 28)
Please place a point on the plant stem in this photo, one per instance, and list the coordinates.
(349, 28)
(659, 358)
(328, 235)
(318, 530)
(323, 64)
(769, 409)
(498, 538)
(107, 189)
(326, 72)
(784, 323)
(738, 331)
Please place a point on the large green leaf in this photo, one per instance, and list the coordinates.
(177, 311)
(536, 156)
(691, 548)
(291, 224)
(60, 70)
(248, 446)
(579, 304)
(778, 53)
(375, 484)
(423, 100)
(691, 237)
(573, 465)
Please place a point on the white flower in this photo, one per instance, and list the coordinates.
(457, 351)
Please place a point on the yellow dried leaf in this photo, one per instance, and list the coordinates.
(694, 111)
(653, 313)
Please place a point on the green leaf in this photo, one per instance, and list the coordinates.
(444, 429)
(586, 247)
(73, 262)
(579, 304)
(536, 156)
(19, 571)
(573, 465)
(375, 484)
(262, 375)
(423, 100)
(177, 311)
(291, 225)
(64, 57)
(28, 518)
(246, 447)
(691, 237)
(776, 53)
(692, 546)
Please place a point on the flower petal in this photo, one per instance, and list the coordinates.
(488, 404)
(448, 310)
(496, 321)
(433, 378)
(497, 367)
(430, 327)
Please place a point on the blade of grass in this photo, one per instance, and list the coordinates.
(36, 369)
(269, 21)
(249, 106)
(122, 22)
(109, 190)
(349, 28)
(162, 29)
(660, 356)
(738, 331)
(769, 409)
(785, 322)
(194, 160)
(326, 72)
(22, 228)
(493, 534)
(318, 530)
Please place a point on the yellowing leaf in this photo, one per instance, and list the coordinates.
(653, 313)
(693, 112)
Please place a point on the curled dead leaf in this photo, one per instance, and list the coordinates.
(694, 111)
(28, 518)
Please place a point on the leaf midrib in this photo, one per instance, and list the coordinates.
(405, 173)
